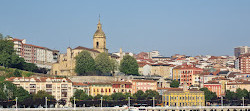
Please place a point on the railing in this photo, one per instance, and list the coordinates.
(126, 108)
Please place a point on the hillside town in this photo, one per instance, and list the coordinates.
(179, 80)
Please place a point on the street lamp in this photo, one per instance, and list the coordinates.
(74, 103)
(153, 101)
(243, 101)
(101, 102)
(221, 100)
(16, 102)
(46, 104)
(128, 102)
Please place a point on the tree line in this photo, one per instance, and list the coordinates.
(230, 99)
(116, 99)
(104, 65)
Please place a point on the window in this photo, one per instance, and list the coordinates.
(32, 91)
(97, 44)
(32, 85)
(48, 85)
(49, 91)
(64, 86)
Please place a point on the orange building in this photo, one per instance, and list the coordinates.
(214, 87)
(189, 74)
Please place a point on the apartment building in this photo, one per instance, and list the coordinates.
(244, 63)
(60, 88)
(183, 97)
(100, 88)
(41, 56)
(143, 85)
(187, 73)
(241, 50)
(121, 86)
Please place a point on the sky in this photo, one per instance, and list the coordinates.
(190, 27)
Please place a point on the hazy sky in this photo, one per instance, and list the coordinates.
(190, 27)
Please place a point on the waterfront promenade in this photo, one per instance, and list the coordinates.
(195, 108)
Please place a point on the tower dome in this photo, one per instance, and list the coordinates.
(99, 32)
(99, 39)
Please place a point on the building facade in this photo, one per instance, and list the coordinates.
(241, 50)
(163, 70)
(66, 63)
(214, 87)
(143, 85)
(100, 88)
(244, 63)
(41, 56)
(80, 86)
(60, 88)
(121, 87)
(183, 97)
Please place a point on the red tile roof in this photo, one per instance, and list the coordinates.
(79, 84)
(37, 79)
(143, 81)
(88, 49)
(120, 82)
(15, 39)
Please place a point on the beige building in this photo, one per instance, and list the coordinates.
(163, 70)
(234, 85)
(66, 63)
(60, 88)
(80, 86)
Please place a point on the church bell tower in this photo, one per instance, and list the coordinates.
(99, 39)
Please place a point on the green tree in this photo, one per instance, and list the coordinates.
(118, 96)
(84, 63)
(174, 84)
(6, 46)
(230, 95)
(106, 98)
(39, 98)
(139, 95)
(17, 73)
(209, 95)
(41, 94)
(22, 94)
(16, 61)
(84, 96)
(77, 93)
(8, 89)
(129, 65)
(114, 65)
(3, 96)
(241, 93)
(149, 94)
(1, 36)
(103, 63)
(97, 97)
(5, 59)
(30, 67)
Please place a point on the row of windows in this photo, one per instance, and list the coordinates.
(183, 98)
(102, 90)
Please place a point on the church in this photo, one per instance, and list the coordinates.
(66, 62)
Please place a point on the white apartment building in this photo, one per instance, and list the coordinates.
(41, 56)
